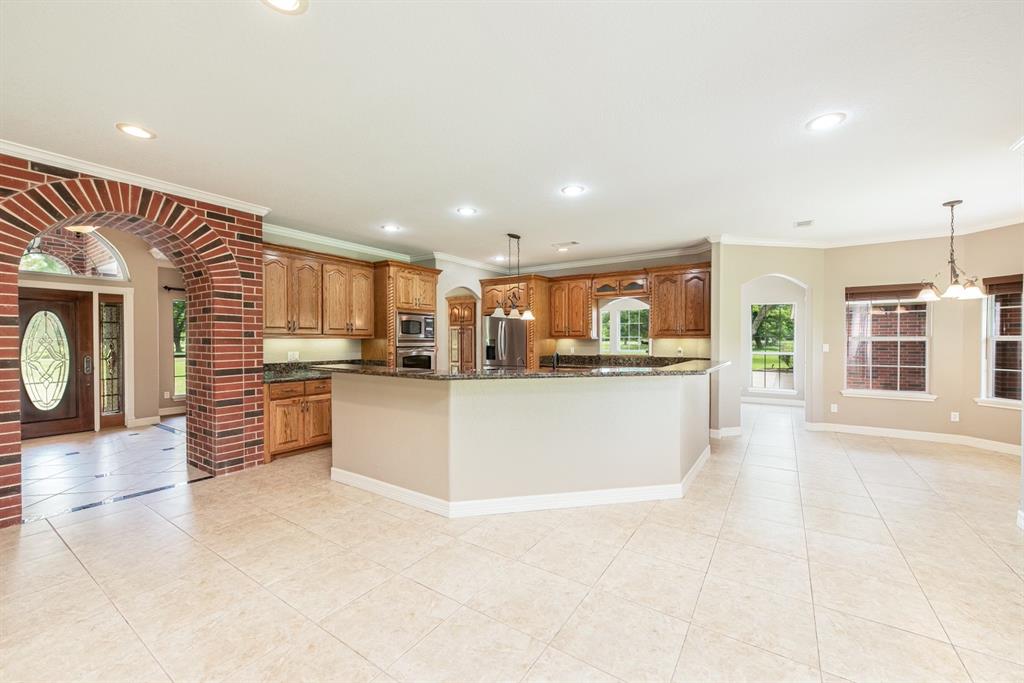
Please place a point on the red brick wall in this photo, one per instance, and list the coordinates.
(219, 252)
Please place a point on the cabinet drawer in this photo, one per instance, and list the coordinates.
(286, 390)
(318, 386)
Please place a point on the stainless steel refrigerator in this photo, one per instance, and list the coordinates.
(504, 344)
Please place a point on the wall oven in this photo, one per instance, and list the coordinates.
(416, 357)
(414, 328)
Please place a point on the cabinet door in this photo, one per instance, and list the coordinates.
(666, 304)
(454, 314)
(276, 316)
(426, 292)
(493, 296)
(468, 314)
(317, 420)
(696, 316)
(306, 299)
(405, 290)
(633, 286)
(467, 349)
(606, 286)
(337, 298)
(559, 309)
(361, 301)
(579, 308)
(284, 427)
(518, 291)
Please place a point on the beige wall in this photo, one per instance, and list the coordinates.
(170, 277)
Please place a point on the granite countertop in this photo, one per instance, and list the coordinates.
(568, 360)
(692, 367)
(274, 373)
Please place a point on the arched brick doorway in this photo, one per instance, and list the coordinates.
(218, 252)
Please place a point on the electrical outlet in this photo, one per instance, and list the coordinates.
(833, 408)
(167, 394)
(954, 417)
(824, 348)
(572, 349)
(679, 350)
(293, 355)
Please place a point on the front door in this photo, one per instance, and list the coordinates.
(56, 362)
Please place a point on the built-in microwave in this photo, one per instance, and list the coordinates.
(416, 357)
(414, 328)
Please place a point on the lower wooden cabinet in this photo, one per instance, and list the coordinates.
(297, 415)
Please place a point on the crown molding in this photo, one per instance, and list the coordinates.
(292, 233)
(1018, 146)
(452, 258)
(739, 240)
(53, 159)
(624, 258)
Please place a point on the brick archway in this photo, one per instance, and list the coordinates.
(219, 253)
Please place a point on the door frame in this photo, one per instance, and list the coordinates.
(129, 340)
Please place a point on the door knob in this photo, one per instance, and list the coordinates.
(87, 364)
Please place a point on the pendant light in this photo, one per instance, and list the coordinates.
(513, 299)
(956, 289)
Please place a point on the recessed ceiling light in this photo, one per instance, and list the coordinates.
(563, 249)
(82, 228)
(499, 257)
(287, 6)
(136, 131)
(826, 121)
(573, 190)
(804, 224)
(466, 211)
(564, 246)
(390, 227)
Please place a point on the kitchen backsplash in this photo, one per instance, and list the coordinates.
(691, 347)
(319, 350)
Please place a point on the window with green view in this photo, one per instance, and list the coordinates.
(179, 318)
(772, 339)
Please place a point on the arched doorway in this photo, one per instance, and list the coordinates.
(218, 251)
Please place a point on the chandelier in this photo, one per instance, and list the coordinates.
(968, 289)
(512, 299)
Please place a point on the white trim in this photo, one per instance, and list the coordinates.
(550, 501)
(73, 164)
(452, 258)
(1020, 513)
(772, 401)
(173, 410)
(726, 431)
(745, 241)
(292, 233)
(935, 437)
(1005, 403)
(141, 421)
(889, 395)
(1018, 145)
(624, 258)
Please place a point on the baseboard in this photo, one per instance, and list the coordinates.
(772, 401)
(142, 421)
(935, 437)
(173, 410)
(549, 501)
(726, 431)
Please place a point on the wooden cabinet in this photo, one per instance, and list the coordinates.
(415, 290)
(493, 296)
(398, 287)
(461, 334)
(311, 294)
(680, 302)
(620, 284)
(297, 416)
(572, 308)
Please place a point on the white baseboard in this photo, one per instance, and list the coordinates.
(141, 421)
(173, 410)
(935, 437)
(726, 431)
(548, 501)
(772, 401)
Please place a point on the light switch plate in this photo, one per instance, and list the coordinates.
(167, 394)
(293, 355)
(833, 408)
(954, 417)
(824, 348)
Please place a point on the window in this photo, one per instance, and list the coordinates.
(624, 327)
(73, 254)
(1004, 346)
(772, 339)
(111, 357)
(43, 263)
(179, 320)
(887, 345)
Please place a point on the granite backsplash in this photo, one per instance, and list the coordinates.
(598, 361)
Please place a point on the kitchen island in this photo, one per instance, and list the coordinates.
(462, 444)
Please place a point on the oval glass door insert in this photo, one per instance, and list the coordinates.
(45, 360)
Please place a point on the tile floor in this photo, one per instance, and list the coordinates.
(795, 556)
(67, 472)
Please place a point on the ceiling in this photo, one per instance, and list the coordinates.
(684, 120)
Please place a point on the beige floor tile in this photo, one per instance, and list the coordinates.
(770, 474)
(246, 534)
(862, 650)
(702, 517)
(402, 511)
(882, 561)
(987, 669)
(761, 533)
(870, 529)
(384, 623)
(771, 621)
(22, 549)
(323, 587)
(554, 666)
(761, 568)
(894, 603)
(531, 600)
(26, 614)
(574, 557)
(986, 620)
(713, 658)
(43, 572)
(285, 555)
(824, 478)
(357, 525)
(779, 511)
(309, 655)
(402, 546)
(683, 547)
(761, 488)
(654, 583)
(458, 570)
(469, 646)
(508, 535)
(624, 639)
(841, 502)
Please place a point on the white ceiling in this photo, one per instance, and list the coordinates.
(684, 119)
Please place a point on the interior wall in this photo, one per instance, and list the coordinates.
(455, 276)
(772, 289)
(168, 276)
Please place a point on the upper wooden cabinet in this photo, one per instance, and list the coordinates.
(310, 294)
(530, 292)
(415, 290)
(620, 284)
(680, 302)
(572, 308)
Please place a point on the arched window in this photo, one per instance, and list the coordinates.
(73, 254)
(624, 327)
